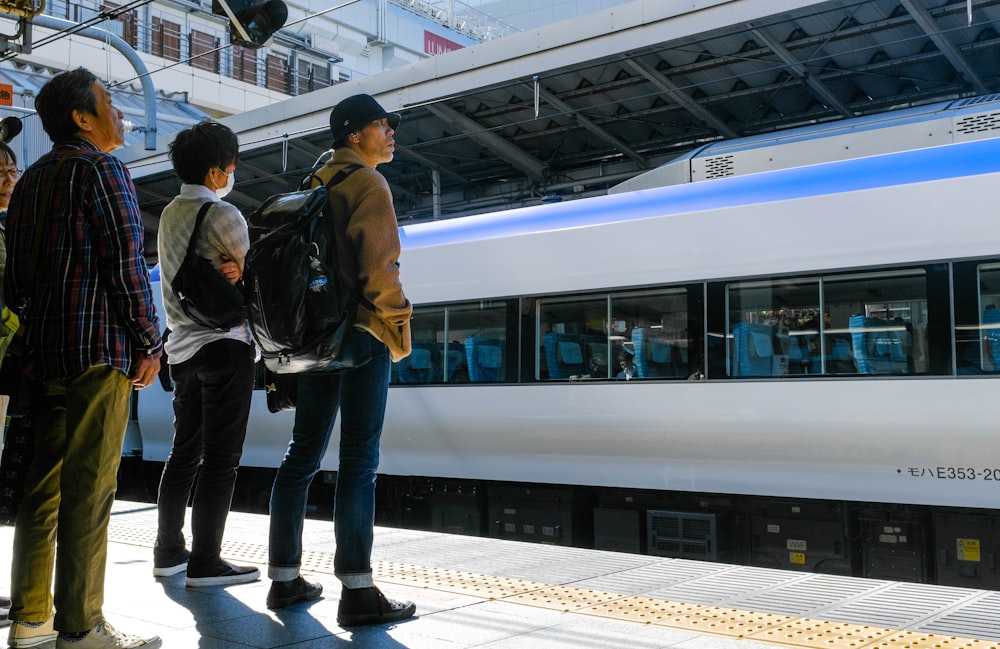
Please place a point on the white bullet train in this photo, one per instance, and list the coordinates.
(795, 368)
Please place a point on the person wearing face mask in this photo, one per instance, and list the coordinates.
(212, 371)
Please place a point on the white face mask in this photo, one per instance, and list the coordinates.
(222, 192)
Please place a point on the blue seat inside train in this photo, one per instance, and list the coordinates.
(880, 346)
(564, 355)
(656, 357)
(753, 349)
(419, 366)
(485, 359)
(454, 354)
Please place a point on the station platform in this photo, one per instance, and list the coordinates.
(491, 594)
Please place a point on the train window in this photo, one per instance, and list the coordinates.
(977, 317)
(883, 316)
(774, 327)
(573, 333)
(637, 335)
(482, 330)
(652, 328)
(455, 344)
(856, 323)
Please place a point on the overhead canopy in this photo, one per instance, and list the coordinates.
(618, 92)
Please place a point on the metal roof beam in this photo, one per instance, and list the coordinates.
(926, 22)
(531, 166)
(433, 166)
(679, 97)
(590, 125)
(817, 86)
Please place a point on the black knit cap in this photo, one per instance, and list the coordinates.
(356, 111)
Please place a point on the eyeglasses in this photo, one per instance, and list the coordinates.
(10, 172)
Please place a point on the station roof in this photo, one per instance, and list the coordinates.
(571, 109)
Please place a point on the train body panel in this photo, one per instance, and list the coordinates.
(837, 438)
(882, 440)
(887, 441)
(886, 209)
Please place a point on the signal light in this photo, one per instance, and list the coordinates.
(252, 23)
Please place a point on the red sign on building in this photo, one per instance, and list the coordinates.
(434, 44)
(6, 94)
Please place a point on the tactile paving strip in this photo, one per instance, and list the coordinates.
(564, 598)
(770, 628)
(804, 632)
(454, 581)
(908, 639)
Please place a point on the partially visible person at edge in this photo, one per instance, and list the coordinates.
(9, 174)
(212, 370)
(368, 249)
(8, 324)
(77, 276)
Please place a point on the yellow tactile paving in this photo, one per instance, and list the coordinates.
(918, 640)
(755, 626)
(563, 598)
(456, 581)
(803, 632)
(645, 610)
(720, 620)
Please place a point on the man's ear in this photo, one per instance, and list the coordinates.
(82, 120)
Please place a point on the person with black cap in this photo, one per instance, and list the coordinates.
(357, 384)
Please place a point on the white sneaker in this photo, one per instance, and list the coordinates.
(104, 636)
(23, 634)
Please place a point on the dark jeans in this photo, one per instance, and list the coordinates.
(360, 393)
(212, 393)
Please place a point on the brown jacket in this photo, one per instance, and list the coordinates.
(370, 262)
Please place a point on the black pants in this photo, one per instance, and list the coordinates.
(212, 392)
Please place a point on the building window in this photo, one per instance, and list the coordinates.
(126, 23)
(277, 73)
(244, 64)
(166, 39)
(204, 51)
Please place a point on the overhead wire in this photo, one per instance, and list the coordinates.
(79, 27)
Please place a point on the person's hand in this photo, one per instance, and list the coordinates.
(146, 370)
(229, 269)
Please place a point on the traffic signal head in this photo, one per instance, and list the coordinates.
(252, 22)
(9, 127)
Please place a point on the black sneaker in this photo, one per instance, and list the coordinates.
(362, 606)
(171, 565)
(221, 574)
(295, 591)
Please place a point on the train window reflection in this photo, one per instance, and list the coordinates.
(455, 344)
(627, 336)
(858, 323)
(774, 328)
(989, 311)
(885, 318)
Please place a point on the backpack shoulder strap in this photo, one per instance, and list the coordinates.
(343, 173)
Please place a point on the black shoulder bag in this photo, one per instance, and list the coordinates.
(205, 295)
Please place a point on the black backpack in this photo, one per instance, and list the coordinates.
(298, 310)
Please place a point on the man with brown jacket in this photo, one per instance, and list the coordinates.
(357, 383)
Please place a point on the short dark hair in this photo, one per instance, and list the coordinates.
(205, 145)
(7, 153)
(64, 93)
(342, 140)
